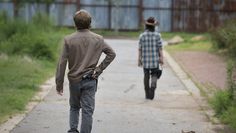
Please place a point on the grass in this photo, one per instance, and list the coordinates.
(20, 78)
(191, 45)
(225, 108)
(21, 75)
(220, 102)
(223, 102)
(28, 56)
(24, 68)
(229, 117)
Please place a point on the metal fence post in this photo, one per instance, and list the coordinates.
(140, 10)
(109, 14)
(78, 4)
(16, 7)
(172, 15)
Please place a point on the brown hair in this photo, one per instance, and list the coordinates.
(82, 20)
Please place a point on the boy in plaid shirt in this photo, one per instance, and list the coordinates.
(150, 56)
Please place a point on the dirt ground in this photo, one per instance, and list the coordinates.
(205, 68)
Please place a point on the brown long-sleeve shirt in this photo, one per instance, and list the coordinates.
(82, 50)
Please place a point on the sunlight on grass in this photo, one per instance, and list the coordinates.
(191, 45)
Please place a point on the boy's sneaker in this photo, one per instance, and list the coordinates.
(73, 131)
(152, 93)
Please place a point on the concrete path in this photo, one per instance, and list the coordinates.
(120, 103)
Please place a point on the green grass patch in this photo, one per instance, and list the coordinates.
(28, 55)
(229, 117)
(225, 108)
(20, 78)
(38, 38)
(189, 44)
(221, 102)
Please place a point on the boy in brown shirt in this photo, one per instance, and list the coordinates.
(82, 51)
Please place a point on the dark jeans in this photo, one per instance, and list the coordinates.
(82, 96)
(150, 88)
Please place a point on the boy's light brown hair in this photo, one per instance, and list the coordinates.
(82, 20)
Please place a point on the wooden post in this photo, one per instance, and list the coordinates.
(140, 10)
(78, 5)
(109, 14)
(172, 15)
(48, 8)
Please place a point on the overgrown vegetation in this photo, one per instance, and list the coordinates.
(28, 55)
(20, 78)
(21, 38)
(224, 102)
(224, 39)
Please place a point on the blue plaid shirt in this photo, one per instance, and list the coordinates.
(149, 44)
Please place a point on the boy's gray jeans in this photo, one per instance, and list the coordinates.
(82, 96)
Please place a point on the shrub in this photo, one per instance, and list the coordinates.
(17, 44)
(3, 21)
(229, 117)
(43, 21)
(224, 37)
(42, 51)
(34, 45)
(231, 79)
(10, 27)
(221, 102)
(21, 76)
(35, 38)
